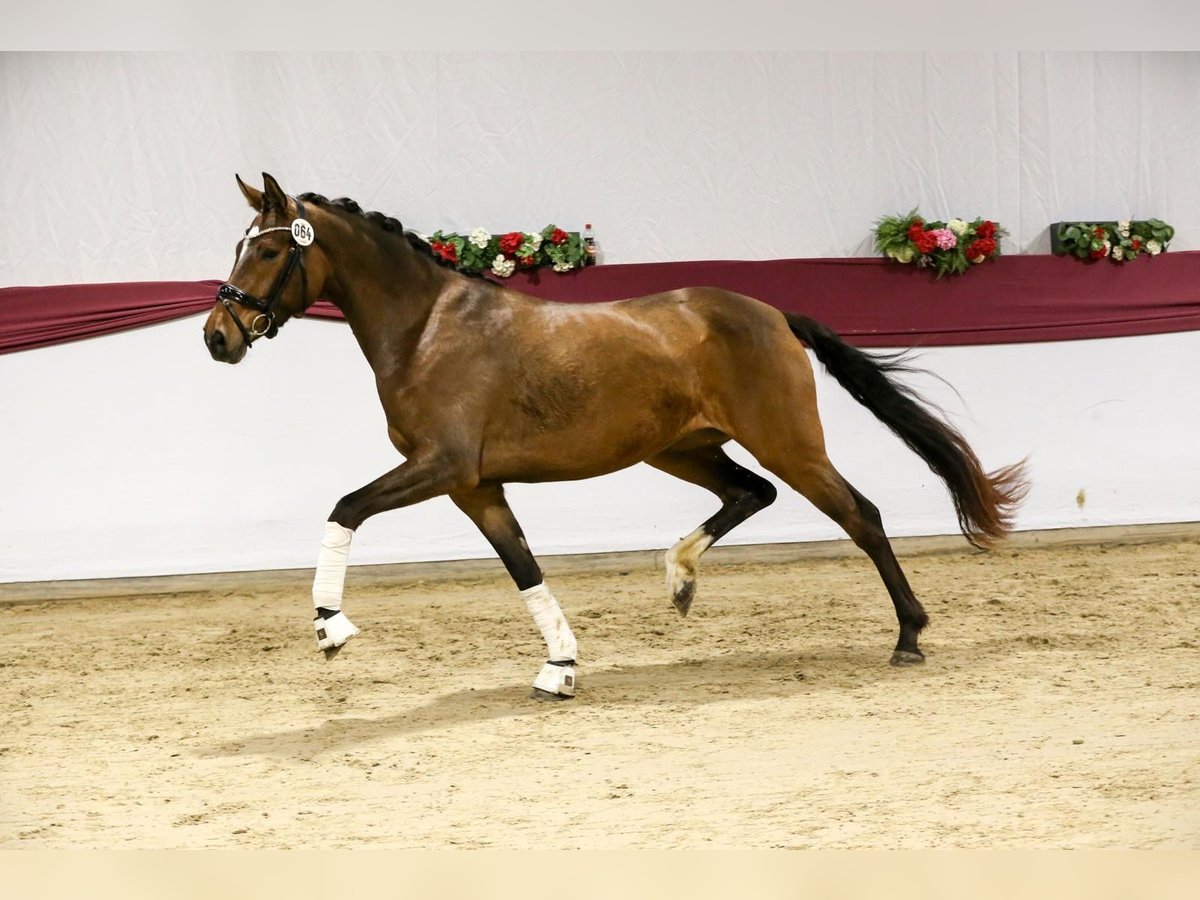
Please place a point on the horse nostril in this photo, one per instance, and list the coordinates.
(216, 341)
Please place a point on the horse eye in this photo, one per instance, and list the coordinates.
(270, 254)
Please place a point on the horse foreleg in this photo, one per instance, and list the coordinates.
(742, 494)
(412, 482)
(332, 627)
(486, 507)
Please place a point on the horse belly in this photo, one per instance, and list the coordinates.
(599, 441)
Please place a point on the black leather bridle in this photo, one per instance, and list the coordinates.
(228, 294)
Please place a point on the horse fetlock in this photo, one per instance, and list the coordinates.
(683, 565)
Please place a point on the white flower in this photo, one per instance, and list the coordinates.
(535, 241)
(902, 254)
(503, 267)
(1118, 253)
(1123, 228)
(958, 226)
(563, 267)
(1153, 247)
(480, 237)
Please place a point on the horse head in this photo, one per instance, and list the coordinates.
(272, 280)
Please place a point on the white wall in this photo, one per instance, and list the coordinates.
(135, 454)
(122, 165)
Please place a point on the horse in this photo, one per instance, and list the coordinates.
(482, 385)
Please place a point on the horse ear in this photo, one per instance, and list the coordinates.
(273, 195)
(253, 197)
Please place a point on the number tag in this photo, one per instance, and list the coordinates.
(302, 232)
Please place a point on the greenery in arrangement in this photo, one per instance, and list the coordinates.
(502, 254)
(1118, 241)
(946, 247)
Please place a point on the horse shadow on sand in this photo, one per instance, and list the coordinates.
(674, 685)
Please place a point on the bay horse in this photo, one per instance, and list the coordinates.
(483, 385)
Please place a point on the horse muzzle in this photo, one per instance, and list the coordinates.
(222, 348)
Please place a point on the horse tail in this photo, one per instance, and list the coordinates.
(984, 502)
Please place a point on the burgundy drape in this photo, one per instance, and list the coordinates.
(872, 302)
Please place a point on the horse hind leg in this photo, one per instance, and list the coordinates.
(742, 494)
(909, 612)
(824, 486)
(803, 465)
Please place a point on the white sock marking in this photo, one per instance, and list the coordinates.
(683, 560)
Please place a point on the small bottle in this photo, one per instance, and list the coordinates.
(590, 248)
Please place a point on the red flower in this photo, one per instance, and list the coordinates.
(915, 228)
(558, 236)
(1099, 232)
(1136, 244)
(1099, 254)
(525, 261)
(986, 230)
(981, 248)
(511, 241)
(445, 250)
(926, 242)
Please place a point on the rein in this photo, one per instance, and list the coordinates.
(302, 235)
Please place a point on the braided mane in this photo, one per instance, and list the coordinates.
(384, 222)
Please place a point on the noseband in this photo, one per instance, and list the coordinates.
(302, 235)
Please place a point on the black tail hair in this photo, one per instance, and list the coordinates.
(984, 502)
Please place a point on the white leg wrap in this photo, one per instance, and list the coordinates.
(331, 566)
(560, 642)
(328, 585)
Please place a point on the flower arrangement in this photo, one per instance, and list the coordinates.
(503, 254)
(1119, 241)
(946, 247)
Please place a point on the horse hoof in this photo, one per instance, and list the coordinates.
(683, 597)
(546, 696)
(907, 658)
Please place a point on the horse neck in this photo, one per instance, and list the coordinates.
(387, 293)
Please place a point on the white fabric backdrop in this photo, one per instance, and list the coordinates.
(136, 454)
(120, 166)
(119, 454)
